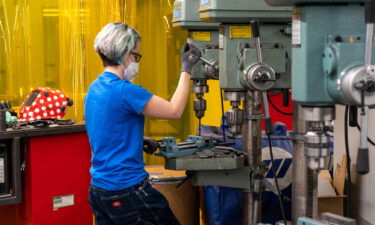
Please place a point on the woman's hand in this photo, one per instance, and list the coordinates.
(189, 57)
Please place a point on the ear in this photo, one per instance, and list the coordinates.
(126, 62)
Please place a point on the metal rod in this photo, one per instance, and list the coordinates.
(207, 62)
(369, 40)
(265, 105)
(257, 200)
(364, 125)
(259, 51)
(252, 146)
(304, 195)
(186, 147)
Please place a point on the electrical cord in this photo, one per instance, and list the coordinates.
(222, 114)
(269, 131)
(277, 109)
(348, 163)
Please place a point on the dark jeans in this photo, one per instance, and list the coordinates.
(137, 205)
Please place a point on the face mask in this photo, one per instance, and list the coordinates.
(131, 71)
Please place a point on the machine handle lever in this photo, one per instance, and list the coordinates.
(206, 61)
(363, 166)
(363, 157)
(369, 11)
(255, 28)
(256, 34)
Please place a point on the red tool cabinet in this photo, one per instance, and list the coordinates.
(55, 179)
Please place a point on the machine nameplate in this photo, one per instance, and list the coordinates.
(202, 36)
(63, 201)
(177, 10)
(204, 2)
(221, 37)
(240, 32)
(296, 28)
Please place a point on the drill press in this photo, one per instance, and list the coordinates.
(331, 64)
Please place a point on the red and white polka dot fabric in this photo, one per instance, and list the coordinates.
(44, 103)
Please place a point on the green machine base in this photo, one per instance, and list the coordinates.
(195, 162)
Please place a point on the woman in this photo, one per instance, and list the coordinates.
(114, 112)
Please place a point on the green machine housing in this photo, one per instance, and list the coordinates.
(328, 42)
(238, 51)
(204, 36)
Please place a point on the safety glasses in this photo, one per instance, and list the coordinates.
(137, 56)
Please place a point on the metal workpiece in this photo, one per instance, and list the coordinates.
(316, 148)
(308, 113)
(259, 77)
(235, 118)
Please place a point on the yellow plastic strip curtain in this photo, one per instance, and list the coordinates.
(49, 43)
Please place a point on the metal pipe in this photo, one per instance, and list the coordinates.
(304, 181)
(257, 197)
(247, 208)
(207, 62)
(259, 51)
(369, 40)
(364, 130)
(252, 146)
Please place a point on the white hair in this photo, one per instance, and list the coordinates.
(116, 41)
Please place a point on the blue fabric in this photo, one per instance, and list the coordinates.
(223, 205)
(115, 125)
(139, 205)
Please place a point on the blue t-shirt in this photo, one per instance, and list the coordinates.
(114, 124)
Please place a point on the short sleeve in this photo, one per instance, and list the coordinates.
(134, 97)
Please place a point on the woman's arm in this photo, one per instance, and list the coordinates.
(158, 107)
